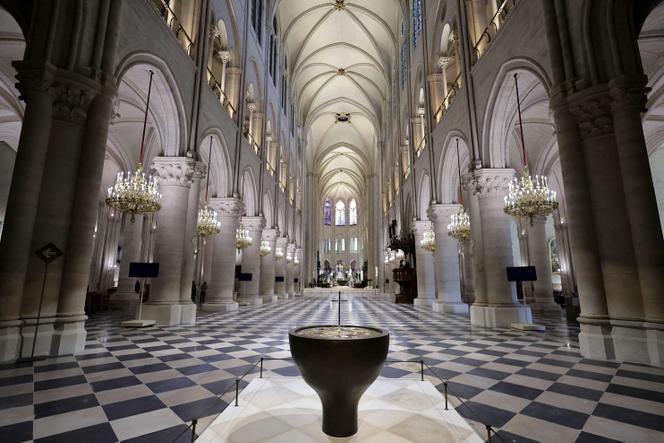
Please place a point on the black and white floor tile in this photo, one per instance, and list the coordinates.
(148, 385)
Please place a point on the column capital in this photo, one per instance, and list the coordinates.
(33, 76)
(491, 181)
(282, 242)
(173, 171)
(592, 110)
(227, 206)
(71, 100)
(420, 226)
(270, 234)
(444, 61)
(254, 223)
(441, 213)
(199, 170)
(629, 92)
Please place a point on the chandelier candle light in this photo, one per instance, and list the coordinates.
(459, 228)
(135, 192)
(265, 248)
(279, 253)
(428, 241)
(528, 197)
(242, 238)
(208, 224)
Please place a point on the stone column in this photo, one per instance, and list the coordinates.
(280, 269)
(69, 335)
(34, 82)
(468, 274)
(268, 266)
(290, 270)
(131, 252)
(426, 286)
(164, 304)
(225, 57)
(564, 257)
(539, 257)
(594, 339)
(443, 62)
(501, 307)
(297, 273)
(448, 281)
(65, 216)
(189, 276)
(220, 287)
(251, 262)
(475, 244)
(628, 100)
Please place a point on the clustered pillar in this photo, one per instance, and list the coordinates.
(164, 303)
(251, 263)
(268, 265)
(426, 286)
(220, 289)
(446, 257)
(498, 305)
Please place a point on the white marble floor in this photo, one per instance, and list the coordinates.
(286, 410)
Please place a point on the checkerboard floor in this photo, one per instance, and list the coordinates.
(147, 385)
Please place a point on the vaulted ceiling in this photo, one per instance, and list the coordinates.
(340, 55)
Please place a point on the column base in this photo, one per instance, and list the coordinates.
(250, 300)
(170, 314)
(220, 307)
(423, 302)
(499, 316)
(544, 306)
(270, 299)
(10, 340)
(630, 341)
(656, 346)
(69, 335)
(44, 337)
(622, 340)
(450, 308)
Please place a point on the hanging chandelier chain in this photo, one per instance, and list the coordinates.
(518, 106)
(145, 117)
(207, 183)
(459, 170)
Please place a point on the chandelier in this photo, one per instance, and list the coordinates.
(242, 238)
(279, 253)
(296, 259)
(528, 197)
(135, 192)
(386, 257)
(428, 241)
(265, 248)
(399, 254)
(289, 256)
(207, 223)
(459, 228)
(393, 255)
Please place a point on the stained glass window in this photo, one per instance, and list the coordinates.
(417, 21)
(328, 212)
(352, 212)
(341, 214)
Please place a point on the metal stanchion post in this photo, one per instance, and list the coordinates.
(422, 369)
(237, 390)
(445, 386)
(488, 431)
(261, 376)
(193, 429)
